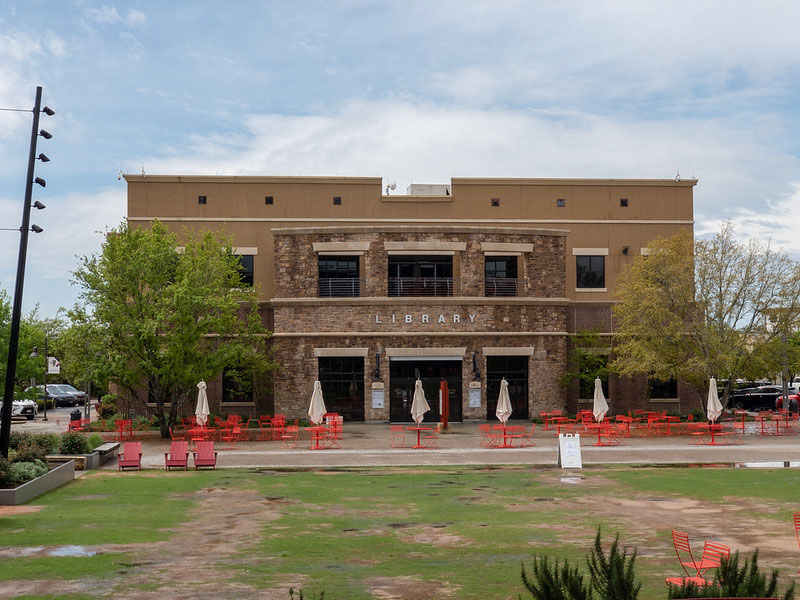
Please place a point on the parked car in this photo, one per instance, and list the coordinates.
(791, 405)
(761, 397)
(65, 387)
(22, 408)
(58, 396)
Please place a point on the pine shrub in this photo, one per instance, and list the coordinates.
(734, 581)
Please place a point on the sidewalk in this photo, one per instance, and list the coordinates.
(367, 444)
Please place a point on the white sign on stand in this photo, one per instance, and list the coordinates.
(569, 451)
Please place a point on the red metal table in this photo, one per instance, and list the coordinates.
(418, 430)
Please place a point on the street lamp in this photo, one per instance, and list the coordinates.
(16, 312)
(35, 354)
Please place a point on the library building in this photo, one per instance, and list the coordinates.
(460, 285)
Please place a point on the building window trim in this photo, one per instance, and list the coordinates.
(590, 274)
(590, 252)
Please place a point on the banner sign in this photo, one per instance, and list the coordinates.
(53, 365)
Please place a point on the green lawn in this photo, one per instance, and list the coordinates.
(423, 532)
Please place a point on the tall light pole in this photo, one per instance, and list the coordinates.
(34, 354)
(16, 314)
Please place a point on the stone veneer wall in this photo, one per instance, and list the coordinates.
(296, 354)
(541, 273)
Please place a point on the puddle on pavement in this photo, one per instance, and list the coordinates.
(72, 551)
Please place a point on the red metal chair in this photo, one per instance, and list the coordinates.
(205, 456)
(489, 439)
(290, 435)
(797, 527)
(713, 553)
(430, 439)
(178, 435)
(683, 551)
(278, 426)
(131, 456)
(178, 455)
(397, 434)
(265, 427)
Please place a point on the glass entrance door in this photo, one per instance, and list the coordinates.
(515, 370)
(402, 378)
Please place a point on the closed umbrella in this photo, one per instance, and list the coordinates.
(201, 411)
(419, 406)
(714, 407)
(600, 407)
(503, 402)
(317, 410)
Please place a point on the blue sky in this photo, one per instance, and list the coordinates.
(410, 91)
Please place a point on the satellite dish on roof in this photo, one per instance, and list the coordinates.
(391, 186)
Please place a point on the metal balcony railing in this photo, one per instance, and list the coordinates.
(339, 288)
(421, 286)
(501, 286)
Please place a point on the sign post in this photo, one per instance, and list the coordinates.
(444, 402)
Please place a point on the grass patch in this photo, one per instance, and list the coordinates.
(448, 532)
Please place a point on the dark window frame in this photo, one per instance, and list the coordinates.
(662, 390)
(590, 271)
(497, 279)
(247, 269)
(347, 282)
(343, 387)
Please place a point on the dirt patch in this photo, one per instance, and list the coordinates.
(408, 588)
(10, 511)
(432, 535)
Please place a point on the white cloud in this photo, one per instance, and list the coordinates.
(135, 17)
(73, 225)
(104, 15)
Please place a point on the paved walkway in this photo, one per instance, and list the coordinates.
(367, 444)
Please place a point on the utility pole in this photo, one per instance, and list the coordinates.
(13, 343)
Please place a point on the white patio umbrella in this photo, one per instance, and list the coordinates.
(503, 402)
(201, 411)
(317, 410)
(714, 406)
(600, 407)
(419, 406)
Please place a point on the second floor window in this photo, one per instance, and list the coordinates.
(246, 269)
(420, 275)
(338, 277)
(501, 276)
(591, 271)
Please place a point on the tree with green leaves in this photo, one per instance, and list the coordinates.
(588, 360)
(31, 333)
(158, 319)
(693, 309)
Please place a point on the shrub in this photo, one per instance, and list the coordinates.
(48, 442)
(108, 406)
(28, 452)
(611, 575)
(22, 472)
(94, 441)
(698, 415)
(73, 443)
(555, 581)
(5, 465)
(140, 423)
(747, 581)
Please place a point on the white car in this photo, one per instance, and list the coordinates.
(23, 408)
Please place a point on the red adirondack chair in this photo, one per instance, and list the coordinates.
(178, 455)
(205, 456)
(131, 456)
(797, 527)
